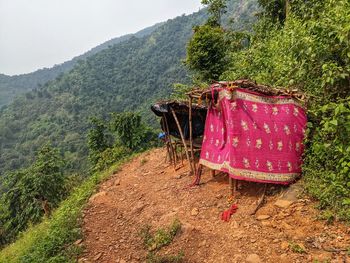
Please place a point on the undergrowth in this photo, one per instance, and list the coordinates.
(160, 238)
(53, 239)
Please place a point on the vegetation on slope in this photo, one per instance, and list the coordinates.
(53, 239)
(294, 44)
(126, 76)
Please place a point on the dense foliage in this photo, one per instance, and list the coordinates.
(310, 51)
(30, 193)
(206, 52)
(122, 134)
(327, 159)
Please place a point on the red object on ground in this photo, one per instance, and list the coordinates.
(226, 215)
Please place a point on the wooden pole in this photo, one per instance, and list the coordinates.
(287, 7)
(233, 185)
(182, 157)
(183, 139)
(166, 142)
(169, 137)
(191, 132)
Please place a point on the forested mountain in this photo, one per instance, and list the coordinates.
(126, 76)
(10, 86)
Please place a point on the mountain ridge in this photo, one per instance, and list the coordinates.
(13, 85)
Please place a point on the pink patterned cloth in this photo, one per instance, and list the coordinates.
(255, 137)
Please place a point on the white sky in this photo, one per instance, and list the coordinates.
(40, 33)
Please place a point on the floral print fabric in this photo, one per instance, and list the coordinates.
(254, 137)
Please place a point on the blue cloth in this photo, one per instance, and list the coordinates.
(161, 135)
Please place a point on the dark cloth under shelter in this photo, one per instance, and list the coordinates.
(199, 113)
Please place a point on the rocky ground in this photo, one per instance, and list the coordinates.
(147, 191)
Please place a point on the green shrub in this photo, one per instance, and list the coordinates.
(110, 156)
(327, 158)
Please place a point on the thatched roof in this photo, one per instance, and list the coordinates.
(203, 94)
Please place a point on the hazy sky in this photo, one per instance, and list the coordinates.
(40, 33)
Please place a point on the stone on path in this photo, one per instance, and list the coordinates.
(283, 203)
(97, 257)
(253, 258)
(262, 217)
(289, 196)
(194, 212)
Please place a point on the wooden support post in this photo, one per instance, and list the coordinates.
(191, 132)
(175, 151)
(183, 139)
(233, 185)
(168, 154)
(212, 173)
(169, 139)
(181, 153)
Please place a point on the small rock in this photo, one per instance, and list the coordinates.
(96, 196)
(219, 196)
(284, 245)
(203, 243)
(98, 256)
(253, 258)
(263, 217)
(286, 226)
(283, 203)
(78, 242)
(139, 207)
(194, 212)
(266, 223)
(117, 182)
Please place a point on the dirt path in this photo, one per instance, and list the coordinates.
(148, 191)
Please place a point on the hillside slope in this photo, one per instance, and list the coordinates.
(126, 76)
(11, 86)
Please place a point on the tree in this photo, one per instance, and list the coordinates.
(97, 140)
(130, 130)
(277, 10)
(216, 8)
(207, 49)
(206, 52)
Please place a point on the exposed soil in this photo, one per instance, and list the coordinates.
(148, 191)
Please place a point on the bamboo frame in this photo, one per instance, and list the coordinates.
(172, 158)
(191, 131)
(233, 185)
(183, 139)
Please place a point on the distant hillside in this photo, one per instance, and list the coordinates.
(126, 76)
(10, 86)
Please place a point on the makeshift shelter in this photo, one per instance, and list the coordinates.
(252, 132)
(182, 121)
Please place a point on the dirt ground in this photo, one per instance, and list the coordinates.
(147, 191)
